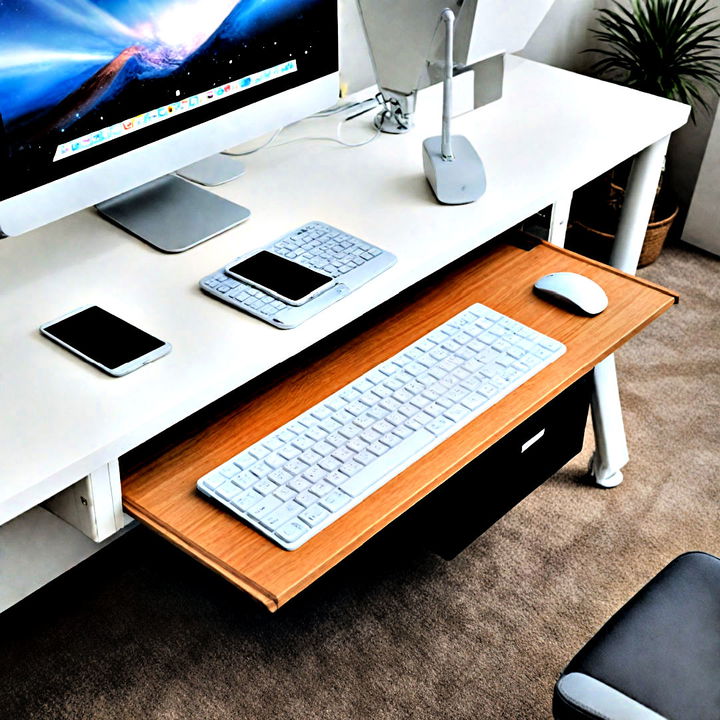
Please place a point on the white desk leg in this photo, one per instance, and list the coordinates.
(637, 206)
(559, 220)
(94, 504)
(611, 451)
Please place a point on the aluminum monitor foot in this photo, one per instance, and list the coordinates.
(213, 171)
(172, 214)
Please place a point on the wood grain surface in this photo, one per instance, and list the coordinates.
(161, 492)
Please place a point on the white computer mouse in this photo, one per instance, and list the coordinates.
(573, 291)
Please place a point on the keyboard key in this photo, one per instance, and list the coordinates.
(245, 460)
(349, 394)
(439, 425)
(323, 448)
(474, 400)
(229, 471)
(343, 454)
(266, 505)
(259, 451)
(306, 498)
(356, 445)
(456, 413)
(275, 460)
(228, 490)
(321, 488)
(298, 484)
(289, 452)
(264, 487)
(390, 439)
(395, 419)
(287, 511)
(310, 457)
(313, 515)
(390, 404)
(329, 464)
(334, 500)
(303, 442)
(364, 421)
(487, 389)
(291, 531)
(246, 500)
(316, 433)
(322, 412)
(336, 439)
(356, 408)
(280, 477)
(314, 474)
(336, 477)
(295, 467)
(350, 431)
(364, 457)
(350, 468)
(261, 469)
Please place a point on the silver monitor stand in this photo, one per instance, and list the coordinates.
(213, 171)
(172, 214)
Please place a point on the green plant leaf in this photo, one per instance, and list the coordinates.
(666, 47)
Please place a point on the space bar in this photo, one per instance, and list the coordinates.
(370, 475)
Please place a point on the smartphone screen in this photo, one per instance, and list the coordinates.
(103, 337)
(280, 276)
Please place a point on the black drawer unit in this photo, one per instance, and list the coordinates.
(469, 502)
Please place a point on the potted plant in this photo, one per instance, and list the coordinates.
(664, 47)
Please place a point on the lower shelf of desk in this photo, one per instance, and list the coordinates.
(161, 493)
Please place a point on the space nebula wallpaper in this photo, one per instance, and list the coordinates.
(74, 73)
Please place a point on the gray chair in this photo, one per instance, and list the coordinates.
(658, 657)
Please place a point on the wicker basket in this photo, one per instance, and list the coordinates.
(655, 237)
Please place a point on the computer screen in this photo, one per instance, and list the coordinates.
(84, 81)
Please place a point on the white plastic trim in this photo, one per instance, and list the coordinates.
(601, 700)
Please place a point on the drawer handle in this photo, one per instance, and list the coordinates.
(532, 441)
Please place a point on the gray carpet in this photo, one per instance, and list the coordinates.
(140, 631)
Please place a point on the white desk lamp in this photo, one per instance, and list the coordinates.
(452, 167)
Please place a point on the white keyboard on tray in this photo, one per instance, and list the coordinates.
(302, 477)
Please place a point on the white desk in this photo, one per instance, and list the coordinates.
(552, 132)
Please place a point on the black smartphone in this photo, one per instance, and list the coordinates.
(105, 340)
(286, 280)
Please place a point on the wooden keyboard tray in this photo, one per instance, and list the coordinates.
(161, 493)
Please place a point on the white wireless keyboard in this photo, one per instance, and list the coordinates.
(296, 481)
(316, 245)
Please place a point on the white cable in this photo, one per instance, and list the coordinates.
(325, 113)
(268, 142)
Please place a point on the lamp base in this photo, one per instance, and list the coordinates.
(457, 181)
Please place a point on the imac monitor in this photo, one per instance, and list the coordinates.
(98, 97)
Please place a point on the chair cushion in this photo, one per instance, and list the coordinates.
(661, 650)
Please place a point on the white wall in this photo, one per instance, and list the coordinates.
(703, 220)
(564, 34)
(687, 150)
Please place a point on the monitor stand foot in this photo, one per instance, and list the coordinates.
(212, 171)
(172, 214)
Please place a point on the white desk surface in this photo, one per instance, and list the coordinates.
(60, 418)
